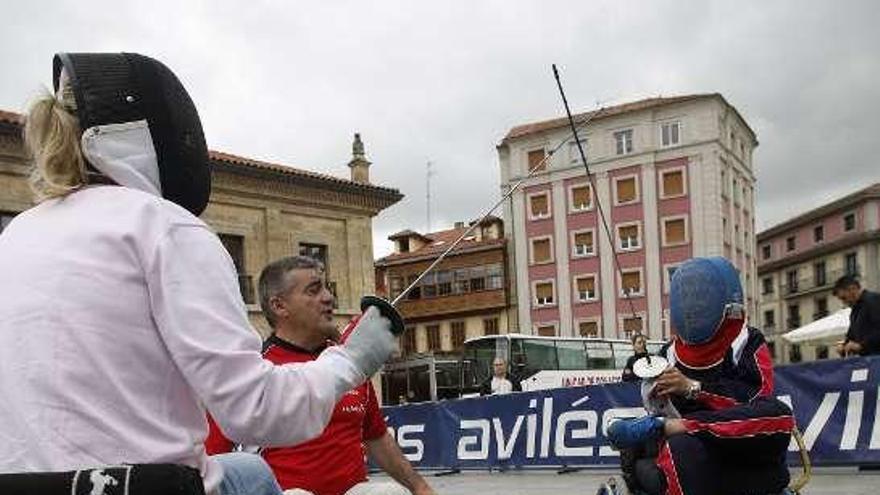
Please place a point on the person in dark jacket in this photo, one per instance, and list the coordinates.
(501, 381)
(863, 336)
(733, 434)
(640, 346)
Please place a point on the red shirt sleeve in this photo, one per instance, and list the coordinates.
(374, 423)
(216, 443)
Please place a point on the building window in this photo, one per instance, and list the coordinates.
(769, 319)
(582, 244)
(433, 333)
(794, 316)
(544, 293)
(772, 346)
(316, 251)
(574, 155)
(819, 275)
(395, 286)
(822, 352)
(547, 330)
(415, 292)
(628, 237)
(403, 245)
(490, 326)
(790, 244)
(458, 335)
(668, 272)
(624, 141)
(631, 282)
(632, 326)
(444, 283)
(542, 250)
(724, 193)
(5, 219)
(766, 251)
(849, 222)
(494, 276)
(429, 285)
(536, 160)
(581, 197)
(767, 285)
(234, 245)
(670, 133)
(672, 183)
(539, 205)
(585, 287)
(850, 263)
(818, 233)
(461, 281)
(626, 190)
(794, 353)
(408, 341)
(821, 304)
(588, 328)
(675, 231)
(792, 279)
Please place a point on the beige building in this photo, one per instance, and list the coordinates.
(675, 179)
(464, 296)
(800, 259)
(262, 211)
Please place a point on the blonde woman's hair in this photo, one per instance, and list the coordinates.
(52, 137)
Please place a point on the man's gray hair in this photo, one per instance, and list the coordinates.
(274, 280)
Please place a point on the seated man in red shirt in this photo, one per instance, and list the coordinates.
(299, 308)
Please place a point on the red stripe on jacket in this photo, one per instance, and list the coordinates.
(740, 428)
(667, 464)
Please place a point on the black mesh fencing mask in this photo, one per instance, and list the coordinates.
(140, 127)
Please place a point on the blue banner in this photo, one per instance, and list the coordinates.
(835, 403)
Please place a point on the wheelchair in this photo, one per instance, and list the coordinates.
(643, 475)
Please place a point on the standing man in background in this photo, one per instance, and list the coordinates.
(863, 336)
(501, 382)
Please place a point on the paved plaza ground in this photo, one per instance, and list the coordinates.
(825, 481)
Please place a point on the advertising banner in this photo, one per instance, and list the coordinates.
(835, 403)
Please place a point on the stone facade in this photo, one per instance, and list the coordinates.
(265, 211)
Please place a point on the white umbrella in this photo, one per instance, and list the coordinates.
(831, 326)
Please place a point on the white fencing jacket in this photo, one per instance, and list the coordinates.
(121, 321)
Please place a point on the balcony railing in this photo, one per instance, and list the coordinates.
(812, 283)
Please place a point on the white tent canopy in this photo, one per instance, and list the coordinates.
(831, 327)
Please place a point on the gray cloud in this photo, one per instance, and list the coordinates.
(436, 82)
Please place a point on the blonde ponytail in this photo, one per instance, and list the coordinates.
(52, 137)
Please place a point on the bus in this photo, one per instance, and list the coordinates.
(546, 362)
(421, 378)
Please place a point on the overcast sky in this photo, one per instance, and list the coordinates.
(444, 81)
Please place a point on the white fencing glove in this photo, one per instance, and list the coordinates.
(370, 343)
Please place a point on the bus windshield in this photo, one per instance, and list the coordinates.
(476, 362)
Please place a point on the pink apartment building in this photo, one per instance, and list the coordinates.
(675, 179)
(800, 259)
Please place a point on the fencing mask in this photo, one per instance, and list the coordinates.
(140, 127)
